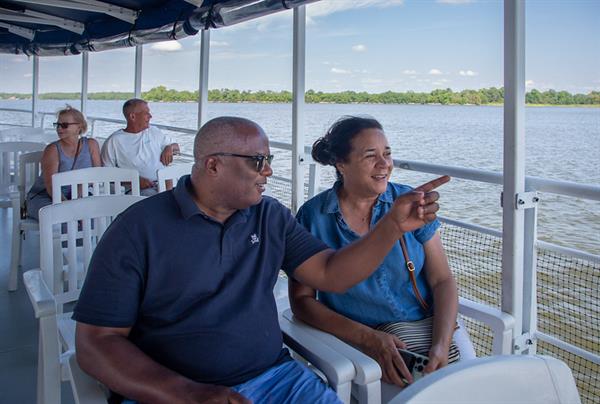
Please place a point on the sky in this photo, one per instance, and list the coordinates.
(360, 45)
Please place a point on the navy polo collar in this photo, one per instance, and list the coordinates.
(332, 202)
(183, 194)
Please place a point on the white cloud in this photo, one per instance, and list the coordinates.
(339, 71)
(327, 7)
(237, 55)
(167, 46)
(371, 81)
(435, 72)
(469, 73)
(359, 48)
(218, 44)
(409, 72)
(529, 83)
(454, 1)
(27, 75)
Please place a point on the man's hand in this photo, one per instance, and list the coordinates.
(166, 157)
(418, 207)
(146, 183)
(383, 347)
(206, 393)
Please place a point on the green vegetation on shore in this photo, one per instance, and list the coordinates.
(484, 96)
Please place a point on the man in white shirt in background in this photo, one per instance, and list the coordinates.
(139, 146)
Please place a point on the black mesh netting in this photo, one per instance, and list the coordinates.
(568, 299)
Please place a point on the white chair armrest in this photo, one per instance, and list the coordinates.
(336, 367)
(39, 294)
(501, 323)
(86, 390)
(367, 368)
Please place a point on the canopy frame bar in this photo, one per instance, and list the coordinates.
(36, 17)
(18, 30)
(95, 6)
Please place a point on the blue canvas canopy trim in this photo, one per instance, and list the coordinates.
(69, 27)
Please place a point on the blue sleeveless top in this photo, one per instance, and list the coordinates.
(65, 163)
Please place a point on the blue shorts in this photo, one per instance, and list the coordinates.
(291, 382)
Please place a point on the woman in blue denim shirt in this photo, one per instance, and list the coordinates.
(358, 149)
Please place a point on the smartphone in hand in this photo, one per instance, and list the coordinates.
(414, 362)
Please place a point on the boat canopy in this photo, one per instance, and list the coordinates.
(69, 27)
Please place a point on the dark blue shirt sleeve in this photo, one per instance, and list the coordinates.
(300, 245)
(112, 291)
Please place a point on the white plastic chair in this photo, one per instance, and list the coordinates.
(94, 181)
(86, 390)
(172, 173)
(10, 153)
(337, 369)
(496, 379)
(367, 387)
(54, 286)
(29, 170)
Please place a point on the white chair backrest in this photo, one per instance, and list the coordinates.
(94, 181)
(173, 173)
(10, 154)
(30, 167)
(85, 220)
(496, 379)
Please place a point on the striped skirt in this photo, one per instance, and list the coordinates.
(417, 336)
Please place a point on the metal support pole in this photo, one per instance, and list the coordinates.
(514, 161)
(137, 90)
(85, 58)
(298, 91)
(530, 278)
(35, 90)
(203, 79)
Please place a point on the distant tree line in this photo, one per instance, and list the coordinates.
(482, 96)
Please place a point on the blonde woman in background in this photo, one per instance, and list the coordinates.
(70, 152)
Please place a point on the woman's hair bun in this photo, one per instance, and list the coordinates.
(322, 153)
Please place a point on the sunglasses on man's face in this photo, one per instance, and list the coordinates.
(260, 160)
(64, 125)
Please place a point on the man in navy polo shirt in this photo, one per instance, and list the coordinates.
(178, 304)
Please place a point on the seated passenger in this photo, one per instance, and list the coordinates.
(178, 305)
(358, 149)
(70, 152)
(139, 146)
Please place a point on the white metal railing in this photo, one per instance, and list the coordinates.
(15, 110)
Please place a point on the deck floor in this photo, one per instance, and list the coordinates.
(18, 330)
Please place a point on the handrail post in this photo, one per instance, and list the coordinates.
(203, 80)
(298, 90)
(35, 90)
(530, 278)
(137, 88)
(513, 219)
(85, 57)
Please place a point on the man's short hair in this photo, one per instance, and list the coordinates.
(130, 104)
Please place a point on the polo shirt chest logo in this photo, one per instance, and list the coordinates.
(254, 239)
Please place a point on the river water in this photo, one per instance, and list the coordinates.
(561, 144)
